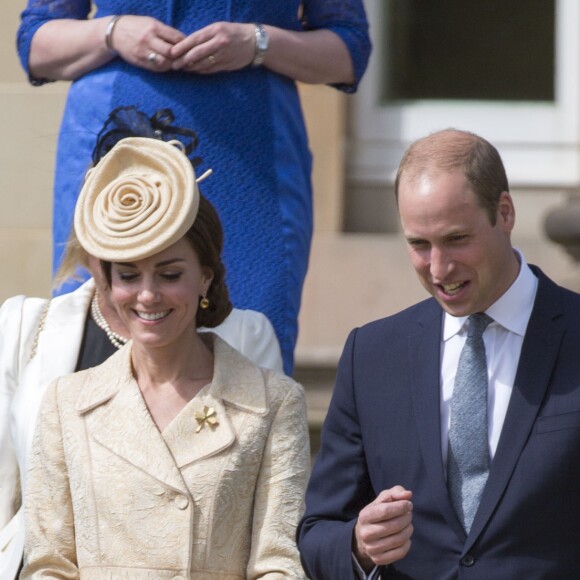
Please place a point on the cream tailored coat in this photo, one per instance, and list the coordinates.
(30, 360)
(111, 497)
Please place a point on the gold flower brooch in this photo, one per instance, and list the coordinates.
(206, 417)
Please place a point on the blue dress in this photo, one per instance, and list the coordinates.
(251, 132)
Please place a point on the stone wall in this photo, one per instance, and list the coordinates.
(29, 121)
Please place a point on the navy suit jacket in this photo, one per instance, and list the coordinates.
(383, 429)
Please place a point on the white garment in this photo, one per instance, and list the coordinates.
(24, 379)
(503, 341)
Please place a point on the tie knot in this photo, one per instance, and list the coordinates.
(477, 324)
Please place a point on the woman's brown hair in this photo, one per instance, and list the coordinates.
(207, 239)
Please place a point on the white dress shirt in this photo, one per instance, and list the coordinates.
(503, 340)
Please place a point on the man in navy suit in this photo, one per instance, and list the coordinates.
(379, 503)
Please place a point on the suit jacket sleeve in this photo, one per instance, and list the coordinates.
(50, 539)
(340, 486)
(279, 497)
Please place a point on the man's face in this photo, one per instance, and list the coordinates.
(463, 261)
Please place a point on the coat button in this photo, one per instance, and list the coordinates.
(468, 560)
(158, 490)
(181, 502)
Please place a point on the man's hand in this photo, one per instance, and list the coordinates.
(382, 534)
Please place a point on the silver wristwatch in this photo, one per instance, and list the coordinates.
(262, 41)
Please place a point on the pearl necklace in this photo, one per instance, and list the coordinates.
(117, 340)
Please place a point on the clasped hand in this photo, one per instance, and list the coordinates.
(148, 43)
(382, 534)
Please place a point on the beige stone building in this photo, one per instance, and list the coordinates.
(358, 268)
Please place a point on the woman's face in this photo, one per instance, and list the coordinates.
(157, 298)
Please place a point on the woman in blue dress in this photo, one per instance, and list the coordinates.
(227, 68)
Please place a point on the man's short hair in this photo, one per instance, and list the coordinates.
(450, 150)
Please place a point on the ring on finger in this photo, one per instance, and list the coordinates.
(152, 58)
(211, 59)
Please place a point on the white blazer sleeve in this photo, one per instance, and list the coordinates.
(10, 330)
(252, 334)
(19, 320)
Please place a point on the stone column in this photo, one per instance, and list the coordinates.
(562, 226)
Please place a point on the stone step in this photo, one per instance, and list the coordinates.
(318, 383)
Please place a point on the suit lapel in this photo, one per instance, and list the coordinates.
(537, 359)
(425, 364)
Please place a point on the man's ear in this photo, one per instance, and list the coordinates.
(506, 212)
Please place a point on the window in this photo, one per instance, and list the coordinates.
(505, 70)
(457, 49)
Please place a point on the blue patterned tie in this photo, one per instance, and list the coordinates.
(468, 455)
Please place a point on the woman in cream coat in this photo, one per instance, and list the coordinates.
(177, 457)
(41, 340)
(112, 496)
(25, 376)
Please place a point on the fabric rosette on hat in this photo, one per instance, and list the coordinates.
(141, 198)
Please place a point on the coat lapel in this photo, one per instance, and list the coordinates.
(236, 384)
(190, 440)
(537, 359)
(425, 364)
(60, 340)
(118, 419)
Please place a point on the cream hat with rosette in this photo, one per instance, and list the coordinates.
(141, 198)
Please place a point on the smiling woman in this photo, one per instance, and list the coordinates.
(173, 457)
(172, 268)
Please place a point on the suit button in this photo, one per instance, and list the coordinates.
(158, 490)
(468, 560)
(181, 502)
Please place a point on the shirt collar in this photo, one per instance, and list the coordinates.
(512, 310)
